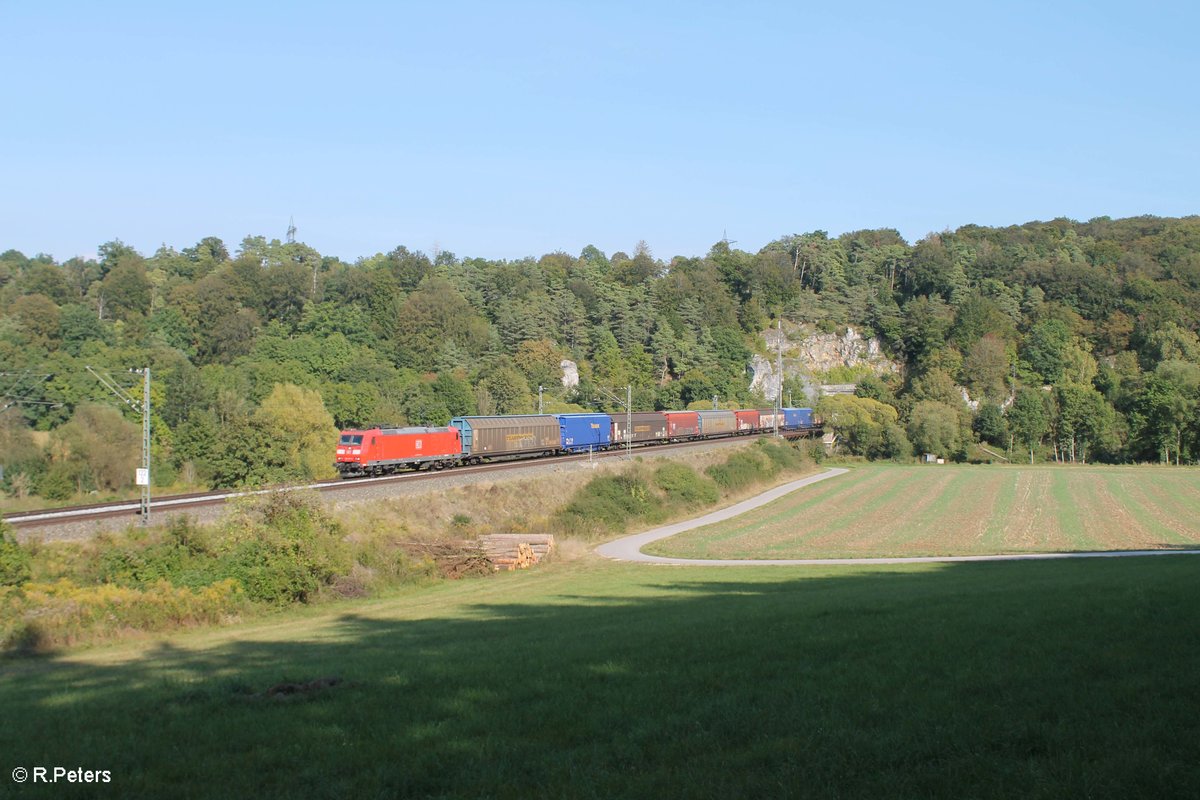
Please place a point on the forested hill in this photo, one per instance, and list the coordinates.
(1073, 339)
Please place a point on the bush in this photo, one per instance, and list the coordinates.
(684, 486)
(14, 559)
(783, 456)
(276, 549)
(283, 548)
(181, 557)
(740, 470)
(895, 444)
(280, 547)
(59, 482)
(609, 502)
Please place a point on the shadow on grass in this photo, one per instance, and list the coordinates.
(1037, 679)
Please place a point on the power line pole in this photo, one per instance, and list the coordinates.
(142, 477)
(540, 388)
(779, 367)
(628, 403)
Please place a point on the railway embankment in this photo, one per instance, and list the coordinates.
(86, 523)
(281, 549)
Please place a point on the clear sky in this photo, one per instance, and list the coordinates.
(509, 129)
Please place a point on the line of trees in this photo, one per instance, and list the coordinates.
(1075, 341)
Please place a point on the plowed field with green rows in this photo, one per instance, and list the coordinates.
(962, 510)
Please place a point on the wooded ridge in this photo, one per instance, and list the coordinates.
(1072, 340)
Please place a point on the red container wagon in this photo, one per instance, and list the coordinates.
(747, 420)
(377, 451)
(682, 425)
(648, 427)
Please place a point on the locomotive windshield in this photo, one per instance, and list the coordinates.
(348, 438)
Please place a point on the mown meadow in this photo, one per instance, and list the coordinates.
(595, 679)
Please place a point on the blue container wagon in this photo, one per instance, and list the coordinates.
(796, 418)
(582, 432)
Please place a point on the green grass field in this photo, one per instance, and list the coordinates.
(600, 680)
(884, 510)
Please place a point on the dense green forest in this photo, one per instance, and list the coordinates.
(1075, 341)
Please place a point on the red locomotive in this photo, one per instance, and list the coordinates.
(378, 451)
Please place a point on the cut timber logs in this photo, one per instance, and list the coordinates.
(487, 554)
(516, 550)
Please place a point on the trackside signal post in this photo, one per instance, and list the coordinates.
(142, 477)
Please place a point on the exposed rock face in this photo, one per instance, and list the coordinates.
(763, 378)
(807, 352)
(570, 374)
(819, 352)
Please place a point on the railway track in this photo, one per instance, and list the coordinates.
(28, 520)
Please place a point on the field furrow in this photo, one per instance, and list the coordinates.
(885, 510)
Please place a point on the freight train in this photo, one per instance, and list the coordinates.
(475, 440)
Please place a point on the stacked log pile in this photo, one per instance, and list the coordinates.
(516, 550)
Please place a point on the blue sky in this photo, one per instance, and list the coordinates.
(504, 130)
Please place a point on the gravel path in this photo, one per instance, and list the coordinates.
(629, 548)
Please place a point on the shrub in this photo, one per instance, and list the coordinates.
(59, 482)
(180, 557)
(684, 486)
(782, 455)
(609, 502)
(283, 548)
(14, 559)
(895, 444)
(740, 470)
